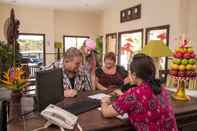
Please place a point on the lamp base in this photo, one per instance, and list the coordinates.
(184, 98)
(180, 93)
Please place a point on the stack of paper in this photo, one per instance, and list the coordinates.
(98, 96)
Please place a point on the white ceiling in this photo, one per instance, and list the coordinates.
(77, 5)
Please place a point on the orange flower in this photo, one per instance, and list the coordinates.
(13, 79)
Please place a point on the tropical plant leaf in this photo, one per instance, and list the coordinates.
(6, 82)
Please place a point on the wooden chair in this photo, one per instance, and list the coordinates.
(30, 75)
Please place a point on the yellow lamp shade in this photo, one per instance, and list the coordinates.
(58, 45)
(156, 48)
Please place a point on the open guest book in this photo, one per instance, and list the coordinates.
(98, 96)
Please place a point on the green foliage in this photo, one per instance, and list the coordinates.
(99, 44)
(6, 57)
(99, 49)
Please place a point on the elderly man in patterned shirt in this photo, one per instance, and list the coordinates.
(74, 78)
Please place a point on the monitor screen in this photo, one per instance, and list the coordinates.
(49, 88)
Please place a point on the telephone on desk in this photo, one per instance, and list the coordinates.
(60, 117)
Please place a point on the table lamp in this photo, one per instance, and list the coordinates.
(58, 46)
(156, 49)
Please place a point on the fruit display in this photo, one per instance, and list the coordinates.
(184, 62)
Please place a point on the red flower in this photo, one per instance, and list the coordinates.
(162, 36)
(127, 47)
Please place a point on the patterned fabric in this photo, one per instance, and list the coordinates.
(116, 79)
(146, 111)
(82, 80)
(85, 69)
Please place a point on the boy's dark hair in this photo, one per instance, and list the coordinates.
(144, 68)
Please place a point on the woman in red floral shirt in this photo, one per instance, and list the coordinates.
(147, 104)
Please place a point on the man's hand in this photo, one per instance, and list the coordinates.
(70, 93)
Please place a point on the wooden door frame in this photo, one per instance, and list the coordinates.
(162, 27)
(106, 43)
(141, 30)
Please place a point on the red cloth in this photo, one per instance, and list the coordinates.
(146, 111)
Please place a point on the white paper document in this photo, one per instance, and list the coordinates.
(125, 116)
(98, 96)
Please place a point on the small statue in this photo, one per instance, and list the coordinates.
(12, 29)
(12, 33)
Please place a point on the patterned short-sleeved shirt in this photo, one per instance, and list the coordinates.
(146, 111)
(81, 81)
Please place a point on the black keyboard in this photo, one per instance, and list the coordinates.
(83, 106)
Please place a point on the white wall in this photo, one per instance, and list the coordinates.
(32, 20)
(192, 23)
(76, 23)
(154, 13)
(180, 14)
(188, 20)
(53, 23)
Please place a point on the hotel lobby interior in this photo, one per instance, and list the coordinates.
(77, 65)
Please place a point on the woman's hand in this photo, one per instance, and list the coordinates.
(99, 86)
(106, 100)
(70, 93)
(113, 87)
(106, 108)
(117, 92)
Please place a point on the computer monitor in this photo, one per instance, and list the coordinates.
(49, 88)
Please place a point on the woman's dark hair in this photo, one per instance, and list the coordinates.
(111, 56)
(144, 68)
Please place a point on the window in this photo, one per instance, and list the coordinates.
(32, 48)
(74, 41)
(130, 43)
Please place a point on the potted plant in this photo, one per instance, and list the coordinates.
(14, 81)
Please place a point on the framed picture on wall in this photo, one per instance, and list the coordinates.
(111, 43)
(130, 43)
(159, 33)
(131, 13)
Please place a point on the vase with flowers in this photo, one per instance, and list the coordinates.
(14, 81)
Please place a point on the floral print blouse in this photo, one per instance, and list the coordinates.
(146, 111)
